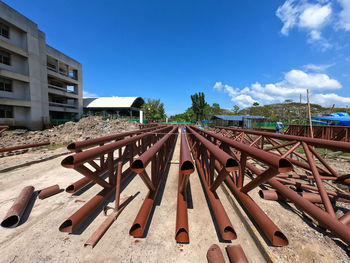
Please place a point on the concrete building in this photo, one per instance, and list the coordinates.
(37, 82)
(113, 106)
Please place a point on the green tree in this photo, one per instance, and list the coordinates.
(255, 104)
(235, 109)
(153, 110)
(198, 104)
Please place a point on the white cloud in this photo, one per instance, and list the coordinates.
(308, 17)
(295, 82)
(344, 15)
(317, 68)
(314, 16)
(87, 94)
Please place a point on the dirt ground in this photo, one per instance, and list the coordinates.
(37, 238)
(87, 128)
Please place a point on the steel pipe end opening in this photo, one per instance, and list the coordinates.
(68, 162)
(136, 230)
(229, 233)
(284, 166)
(70, 189)
(11, 221)
(67, 226)
(182, 236)
(137, 166)
(231, 165)
(279, 239)
(187, 167)
(72, 147)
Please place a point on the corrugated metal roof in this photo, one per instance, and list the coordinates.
(237, 117)
(110, 102)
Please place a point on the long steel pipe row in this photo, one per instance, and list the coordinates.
(203, 150)
(92, 154)
(77, 162)
(186, 167)
(159, 155)
(272, 232)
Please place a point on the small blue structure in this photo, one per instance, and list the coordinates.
(244, 121)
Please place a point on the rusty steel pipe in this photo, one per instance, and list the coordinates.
(25, 146)
(214, 254)
(49, 191)
(186, 167)
(281, 164)
(312, 197)
(225, 227)
(271, 231)
(76, 186)
(78, 146)
(328, 144)
(139, 165)
(75, 220)
(74, 160)
(14, 214)
(226, 160)
(321, 216)
(345, 219)
(236, 254)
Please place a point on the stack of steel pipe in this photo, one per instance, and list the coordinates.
(97, 142)
(206, 154)
(84, 163)
(158, 155)
(236, 183)
(186, 168)
(302, 189)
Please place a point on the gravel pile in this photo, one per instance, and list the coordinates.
(87, 128)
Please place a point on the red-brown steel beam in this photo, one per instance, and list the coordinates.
(25, 146)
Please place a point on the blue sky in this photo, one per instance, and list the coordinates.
(236, 52)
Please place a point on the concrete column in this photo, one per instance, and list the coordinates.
(141, 116)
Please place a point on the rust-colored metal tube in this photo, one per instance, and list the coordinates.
(74, 160)
(323, 217)
(78, 146)
(49, 191)
(225, 159)
(214, 254)
(185, 168)
(271, 231)
(25, 146)
(75, 220)
(272, 160)
(236, 254)
(225, 227)
(138, 227)
(13, 216)
(76, 186)
(266, 175)
(328, 144)
(3, 128)
(139, 165)
(312, 197)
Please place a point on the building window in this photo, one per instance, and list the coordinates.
(5, 57)
(4, 30)
(6, 111)
(5, 85)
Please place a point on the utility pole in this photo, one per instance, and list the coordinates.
(309, 108)
(300, 109)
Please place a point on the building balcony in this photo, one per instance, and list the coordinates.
(62, 92)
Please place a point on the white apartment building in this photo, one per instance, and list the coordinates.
(37, 82)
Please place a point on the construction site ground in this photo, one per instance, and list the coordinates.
(37, 238)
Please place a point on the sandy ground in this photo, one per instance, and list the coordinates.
(38, 239)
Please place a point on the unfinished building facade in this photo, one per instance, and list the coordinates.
(37, 82)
